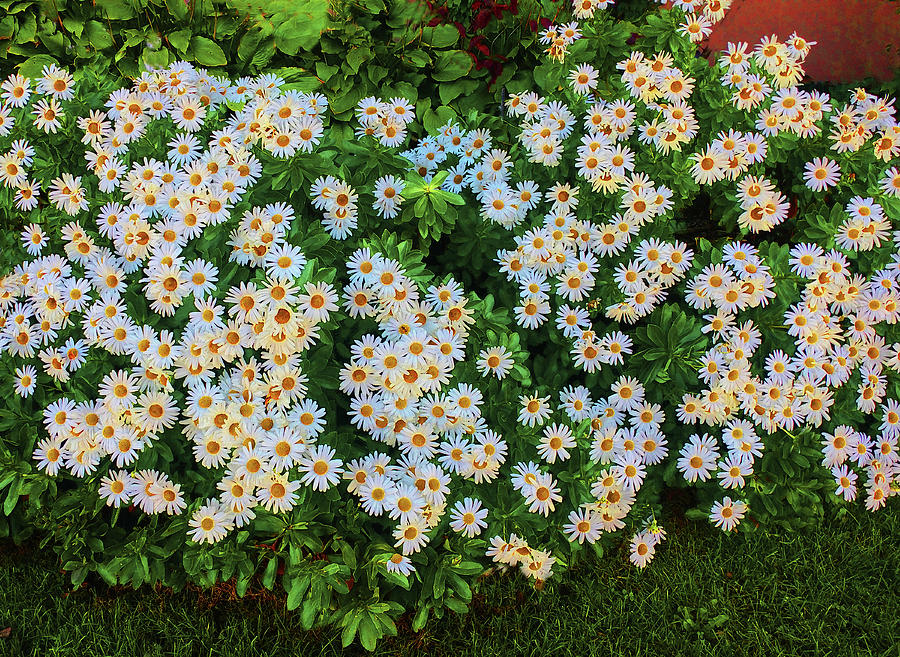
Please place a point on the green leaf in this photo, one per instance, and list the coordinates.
(418, 58)
(98, 36)
(155, 58)
(451, 65)
(351, 622)
(268, 579)
(299, 585)
(180, 40)
(116, 9)
(308, 615)
(107, 575)
(177, 8)
(440, 36)
(249, 44)
(357, 56)
(32, 67)
(301, 27)
(207, 52)
(368, 635)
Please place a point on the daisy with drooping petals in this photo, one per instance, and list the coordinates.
(727, 514)
(399, 563)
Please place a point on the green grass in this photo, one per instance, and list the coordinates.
(829, 592)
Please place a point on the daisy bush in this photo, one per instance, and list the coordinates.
(245, 341)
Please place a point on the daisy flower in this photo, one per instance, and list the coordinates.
(277, 493)
(116, 488)
(167, 497)
(183, 148)
(584, 79)
(890, 182)
(16, 90)
(727, 514)
(467, 517)
(495, 360)
(535, 410)
(398, 563)
(34, 239)
(411, 536)
(846, 482)
(405, 503)
(49, 455)
(285, 260)
(643, 548)
(375, 493)
(582, 526)
(56, 82)
(821, 173)
(388, 190)
(26, 379)
(532, 313)
(210, 523)
(26, 195)
(542, 495)
(320, 469)
(12, 172)
(188, 114)
(48, 115)
(697, 460)
(733, 469)
(555, 443)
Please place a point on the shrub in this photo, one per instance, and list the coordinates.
(252, 339)
(347, 50)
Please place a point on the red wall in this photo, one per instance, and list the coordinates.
(855, 38)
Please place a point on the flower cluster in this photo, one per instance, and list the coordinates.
(386, 121)
(337, 200)
(698, 26)
(795, 389)
(248, 418)
(644, 280)
(397, 383)
(218, 318)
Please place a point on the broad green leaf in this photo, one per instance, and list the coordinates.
(451, 65)
(98, 35)
(33, 66)
(116, 9)
(301, 26)
(180, 40)
(207, 52)
(368, 635)
(440, 36)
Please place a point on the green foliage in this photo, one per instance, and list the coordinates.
(326, 555)
(345, 49)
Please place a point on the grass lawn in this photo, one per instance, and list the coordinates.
(830, 592)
